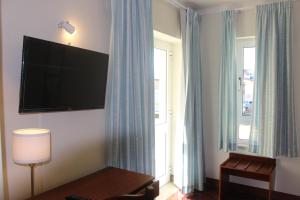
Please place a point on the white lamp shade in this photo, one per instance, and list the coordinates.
(31, 146)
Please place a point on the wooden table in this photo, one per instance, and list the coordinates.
(103, 184)
(254, 167)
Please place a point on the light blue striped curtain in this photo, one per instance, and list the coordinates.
(228, 85)
(130, 88)
(193, 151)
(273, 130)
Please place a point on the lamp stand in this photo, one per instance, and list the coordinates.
(32, 178)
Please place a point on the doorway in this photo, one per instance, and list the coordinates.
(167, 52)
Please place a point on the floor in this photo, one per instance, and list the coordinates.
(171, 192)
(168, 191)
(210, 195)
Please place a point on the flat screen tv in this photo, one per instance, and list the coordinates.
(57, 77)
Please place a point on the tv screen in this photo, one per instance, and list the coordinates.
(57, 77)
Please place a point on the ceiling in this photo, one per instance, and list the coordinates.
(208, 4)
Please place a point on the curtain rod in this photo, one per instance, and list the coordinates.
(221, 9)
(254, 6)
(176, 4)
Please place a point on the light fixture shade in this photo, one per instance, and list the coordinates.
(31, 146)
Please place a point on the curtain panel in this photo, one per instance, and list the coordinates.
(228, 85)
(130, 88)
(273, 131)
(192, 138)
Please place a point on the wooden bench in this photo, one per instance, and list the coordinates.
(253, 167)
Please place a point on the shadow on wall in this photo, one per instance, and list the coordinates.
(287, 169)
(71, 166)
(3, 174)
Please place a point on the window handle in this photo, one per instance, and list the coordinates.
(241, 82)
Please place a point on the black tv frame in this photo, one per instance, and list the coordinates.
(23, 110)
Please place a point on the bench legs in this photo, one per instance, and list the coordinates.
(224, 179)
(223, 185)
(271, 185)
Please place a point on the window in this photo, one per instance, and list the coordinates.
(161, 118)
(160, 85)
(246, 76)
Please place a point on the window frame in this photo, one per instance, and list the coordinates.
(241, 43)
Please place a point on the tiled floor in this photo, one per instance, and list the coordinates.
(171, 192)
(167, 191)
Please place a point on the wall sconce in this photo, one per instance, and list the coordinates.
(67, 26)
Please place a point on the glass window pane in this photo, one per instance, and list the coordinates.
(248, 80)
(160, 87)
(244, 131)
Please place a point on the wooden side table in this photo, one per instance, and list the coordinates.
(253, 167)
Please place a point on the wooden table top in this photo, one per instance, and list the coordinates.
(103, 184)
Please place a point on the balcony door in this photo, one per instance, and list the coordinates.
(162, 133)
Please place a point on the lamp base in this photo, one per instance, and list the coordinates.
(32, 178)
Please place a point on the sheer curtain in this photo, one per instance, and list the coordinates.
(191, 137)
(273, 130)
(228, 85)
(130, 88)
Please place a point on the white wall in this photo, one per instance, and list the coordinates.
(2, 162)
(78, 136)
(166, 18)
(287, 171)
(246, 23)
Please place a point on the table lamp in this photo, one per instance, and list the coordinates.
(31, 147)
